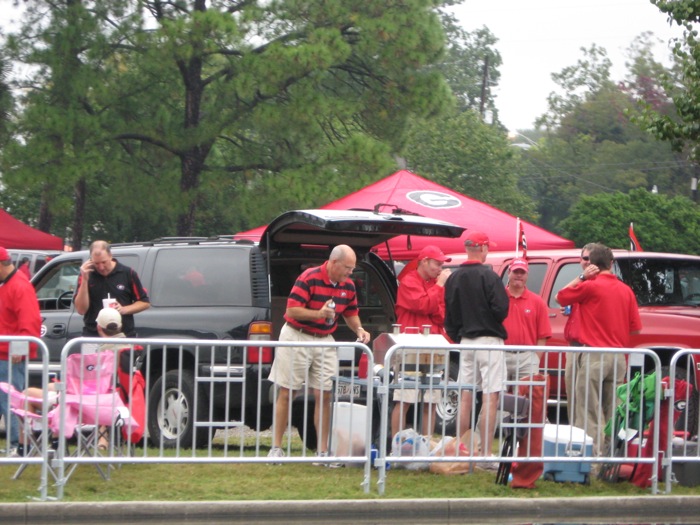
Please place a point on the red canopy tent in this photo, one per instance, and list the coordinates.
(16, 234)
(410, 192)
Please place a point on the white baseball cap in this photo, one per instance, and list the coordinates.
(108, 316)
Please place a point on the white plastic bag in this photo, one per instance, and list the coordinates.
(409, 443)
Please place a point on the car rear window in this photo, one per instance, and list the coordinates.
(201, 276)
(661, 281)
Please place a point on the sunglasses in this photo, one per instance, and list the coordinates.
(585, 258)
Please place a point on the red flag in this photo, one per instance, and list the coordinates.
(522, 241)
(634, 243)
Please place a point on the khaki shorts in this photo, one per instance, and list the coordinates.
(522, 364)
(412, 395)
(294, 366)
(485, 369)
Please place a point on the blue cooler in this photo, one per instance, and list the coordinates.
(566, 441)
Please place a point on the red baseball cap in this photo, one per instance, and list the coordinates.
(4, 256)
(476, 239)
(519, 264)
(433, 252)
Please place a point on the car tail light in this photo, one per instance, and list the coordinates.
(362, 367)
(260, 331)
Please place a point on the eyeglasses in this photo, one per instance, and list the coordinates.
(585, 258)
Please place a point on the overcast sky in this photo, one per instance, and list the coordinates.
(539, 37)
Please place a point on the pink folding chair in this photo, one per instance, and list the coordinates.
(30, 411)
(91, 407)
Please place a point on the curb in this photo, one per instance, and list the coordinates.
(476, 510)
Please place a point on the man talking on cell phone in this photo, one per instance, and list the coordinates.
(103, 277)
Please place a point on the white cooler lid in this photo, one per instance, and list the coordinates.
(566, 434)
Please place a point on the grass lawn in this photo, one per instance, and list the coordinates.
(223, 482)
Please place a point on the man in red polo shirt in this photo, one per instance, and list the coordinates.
(572, 327)
(319, 296)
(421, 301)
(527, 322)
(608, 315)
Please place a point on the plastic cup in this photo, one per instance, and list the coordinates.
(109, 303)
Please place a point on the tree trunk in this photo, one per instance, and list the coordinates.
(189, 183)
(45, 216)
(79, 213)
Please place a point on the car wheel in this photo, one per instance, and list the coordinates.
(265, 421)
(448, 406)
(171, 409)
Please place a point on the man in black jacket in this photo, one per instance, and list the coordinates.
(476, 304)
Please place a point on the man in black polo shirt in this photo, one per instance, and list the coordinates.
(103, 277)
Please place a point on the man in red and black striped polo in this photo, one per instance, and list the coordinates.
(311, 317)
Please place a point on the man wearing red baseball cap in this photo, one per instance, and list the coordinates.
(476, 304)
(421, 301)
(19, 316)
(527, 322)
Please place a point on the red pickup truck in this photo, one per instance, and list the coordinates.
(667, 287)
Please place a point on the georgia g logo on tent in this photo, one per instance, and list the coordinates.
(433, 199)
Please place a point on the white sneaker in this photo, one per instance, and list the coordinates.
(13, 453)
(325, 463)
(276, 452)
(491, 466)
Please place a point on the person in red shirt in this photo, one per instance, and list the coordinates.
(572, 326)
(527, 322)
(421, 301)
(19, 316)
(23, 267)
(608, 315)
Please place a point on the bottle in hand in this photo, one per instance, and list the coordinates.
(331, 320)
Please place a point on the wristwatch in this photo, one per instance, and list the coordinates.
(582, 276)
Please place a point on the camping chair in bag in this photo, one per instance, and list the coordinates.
(35, 423)
(132, 390)
(634, 416)
(518, 408)
(91, 407)
(631, 418)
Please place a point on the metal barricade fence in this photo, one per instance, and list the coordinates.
(682, 395)
(194, 390)
(599, 373)
(198, 407)
(32, 422)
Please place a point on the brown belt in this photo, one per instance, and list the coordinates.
(307, 332)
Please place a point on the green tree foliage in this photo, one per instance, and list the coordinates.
(6, 99)
(253, 90)
(470, 66)
(661, 223)
(159, 111)
(577, 84)
(463, 153)
(59, 151)
(594, 144)
(682, 126)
